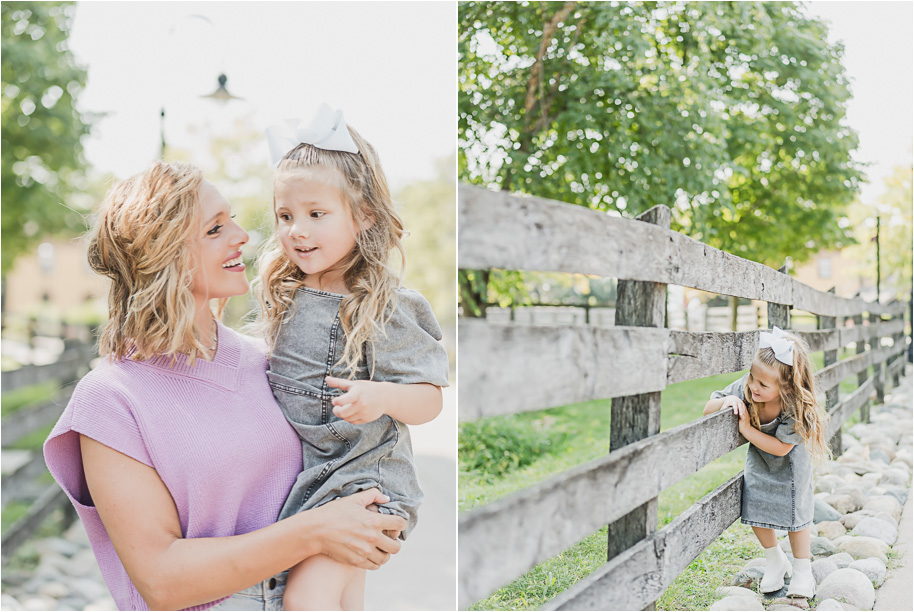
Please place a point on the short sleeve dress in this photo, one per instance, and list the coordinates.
(777, 491)
(341, 458)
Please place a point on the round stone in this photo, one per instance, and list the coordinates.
(735, 591)
(831, 529)
(737, 603)
(820, 546)
(749, 576)
(822, 568)
(841, 560)
(873, 568)
(862, 547)
(39, 603)
(829, 605)
(824, 512)
(850, 520)
(885, 503)
(876, 528)
(849, 585)
(53, 589)
(8, 602)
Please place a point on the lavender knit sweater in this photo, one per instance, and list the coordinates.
(213, 432)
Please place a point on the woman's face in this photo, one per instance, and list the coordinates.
(217, 245)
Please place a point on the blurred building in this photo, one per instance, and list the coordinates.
(55, 282)
(848, 275)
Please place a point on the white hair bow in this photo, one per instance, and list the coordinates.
(327, 131)
(777, 341)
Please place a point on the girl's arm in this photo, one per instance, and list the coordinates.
(728, 401)
(760, 440)
(366, 401)
(172, 572)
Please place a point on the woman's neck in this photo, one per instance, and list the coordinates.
(205, 321)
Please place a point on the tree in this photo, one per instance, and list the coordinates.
(42, 154)
(730, 113)
(896, 215)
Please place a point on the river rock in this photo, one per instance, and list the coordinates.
(894, 476)
(885, 503)
(750, 575)
(831, 529)
(841, 560)
(850, 520)
(53, 589)
(876, 528)
(822, 511)
(897, 492)
(822, 568)
(821, 547)
(792, 603)
(39, 603)
(737, 603)
(829, 482)
(862, 547)
(829, 605)
(88, 589)
(783, 607)
(849, 585)
(877, 454)
(735, 591)
(8, 602)
(102, 604)
(874, 569)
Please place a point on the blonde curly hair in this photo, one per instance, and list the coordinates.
(141, 242)
(797, 391)
(372, 282)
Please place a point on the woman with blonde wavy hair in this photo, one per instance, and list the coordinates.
(173, 449)
(337, 318)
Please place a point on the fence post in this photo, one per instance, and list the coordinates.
(634, 417)
(897, 339)
(779, 314)
(862, 376)
(831, 395)
(878, 367)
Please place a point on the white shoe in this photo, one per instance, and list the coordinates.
(803, 583)
(776, 567)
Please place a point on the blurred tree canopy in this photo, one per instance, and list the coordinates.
(897, 229)
(42, 154)
(731, 113)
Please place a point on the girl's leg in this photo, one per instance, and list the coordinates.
(354, 595)
(803, 583)
(320, 583)
(776, 563)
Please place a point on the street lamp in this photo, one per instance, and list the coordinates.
(222, 94)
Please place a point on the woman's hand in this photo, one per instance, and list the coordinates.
(353, 534)
(364, 401)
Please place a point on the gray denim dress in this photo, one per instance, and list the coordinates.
(777, 491)
(341, 458)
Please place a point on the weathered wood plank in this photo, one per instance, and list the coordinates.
(700, 354)
(640, 575)
(511, 368)
(895, 368)
(848, 405)
(28, 419)
(501, 540)
(518, 232)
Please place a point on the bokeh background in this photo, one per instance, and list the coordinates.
(93, 92)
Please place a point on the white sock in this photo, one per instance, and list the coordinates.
(802, 565)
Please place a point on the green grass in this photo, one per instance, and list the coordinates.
(12, 401)
(12, 512)
(582, 431)
(34, 440)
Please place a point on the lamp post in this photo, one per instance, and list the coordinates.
(220, 95)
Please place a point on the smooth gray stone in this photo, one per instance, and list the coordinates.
(737, 603)
(876, 528)
(822, 568)
(820, 546)
(849, 585)
(841, 560)
(822, 511)
(873, 568)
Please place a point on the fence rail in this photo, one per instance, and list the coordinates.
(632, 363)
(23, 484)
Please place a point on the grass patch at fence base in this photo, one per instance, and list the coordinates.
(25, 396)
(694, 588)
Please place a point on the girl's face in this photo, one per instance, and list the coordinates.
(218, 242)
(764, 382)
(315, 226)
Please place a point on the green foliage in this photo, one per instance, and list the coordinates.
(24, 396)
(896, 231)
(491, 448)
(731, 113)
(427, 208)
(41, 126)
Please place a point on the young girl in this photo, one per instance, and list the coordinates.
(336, 317)
(776, 405)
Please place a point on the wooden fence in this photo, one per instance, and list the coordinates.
(23, 482)
(507, 369)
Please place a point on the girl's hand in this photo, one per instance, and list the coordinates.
(733, 403)
(364, 401)
(744, 422)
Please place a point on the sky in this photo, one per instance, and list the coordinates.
(879, 58)
(390, 66)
